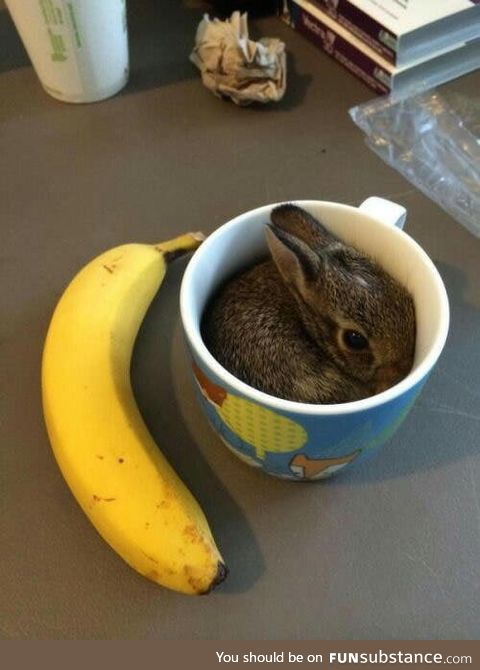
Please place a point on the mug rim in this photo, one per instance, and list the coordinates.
(192, 330)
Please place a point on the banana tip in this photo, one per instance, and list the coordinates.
(172, 249)
(198, 235)
(222, 572)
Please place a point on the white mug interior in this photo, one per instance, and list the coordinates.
(241, 242)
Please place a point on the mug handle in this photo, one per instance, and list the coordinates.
(385, 211)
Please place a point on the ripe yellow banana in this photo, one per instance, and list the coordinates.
(108, 458)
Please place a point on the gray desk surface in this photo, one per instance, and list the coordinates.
(388, 550)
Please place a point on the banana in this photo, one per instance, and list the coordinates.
(104, 450)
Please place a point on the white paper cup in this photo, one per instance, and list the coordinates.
(78, 48)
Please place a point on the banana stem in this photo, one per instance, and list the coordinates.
(180, 245)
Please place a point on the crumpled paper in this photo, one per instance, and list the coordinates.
(236, 67)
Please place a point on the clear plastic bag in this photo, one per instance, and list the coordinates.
(433, 140)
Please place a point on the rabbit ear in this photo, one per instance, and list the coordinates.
(296, 262)
(304, 226)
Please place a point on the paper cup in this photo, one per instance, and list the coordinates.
(78, 48)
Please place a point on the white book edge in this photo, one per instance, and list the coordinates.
(445, 65)
(415, 15)
(368, 51)
(404, 47)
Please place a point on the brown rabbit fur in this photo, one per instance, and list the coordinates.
(318, 322)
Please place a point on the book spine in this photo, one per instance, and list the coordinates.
(363, 26)
(352, 58)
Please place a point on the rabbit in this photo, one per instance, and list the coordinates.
(316, 322)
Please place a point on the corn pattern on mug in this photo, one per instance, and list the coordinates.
(301, 441)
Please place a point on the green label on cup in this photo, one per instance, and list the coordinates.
(59, 51)
(54, 21)
(76, 32)
(60, 19)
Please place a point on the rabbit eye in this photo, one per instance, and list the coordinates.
(355, 340)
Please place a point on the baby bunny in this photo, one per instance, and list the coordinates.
(317, 322)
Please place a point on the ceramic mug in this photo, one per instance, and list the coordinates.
(301, 441)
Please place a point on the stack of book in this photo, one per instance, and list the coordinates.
(400, 46)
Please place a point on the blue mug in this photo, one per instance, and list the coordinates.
(300, 441)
